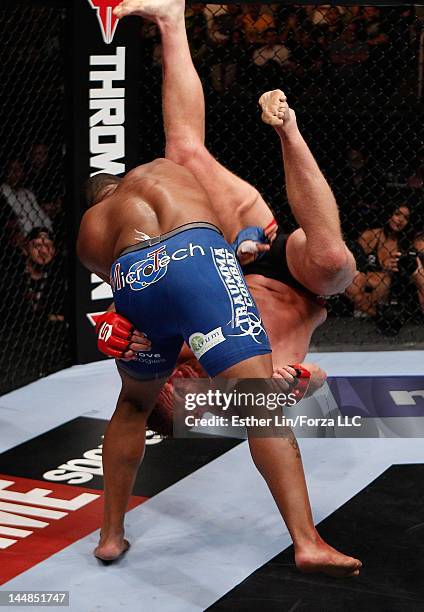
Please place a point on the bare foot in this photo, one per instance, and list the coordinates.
(111, 549)
(323, 558)
(153, 10)
(275, 110)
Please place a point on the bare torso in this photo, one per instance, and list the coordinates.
(290, 318)
(152, 199)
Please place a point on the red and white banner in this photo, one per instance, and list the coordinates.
(103, 129)
(39, 518)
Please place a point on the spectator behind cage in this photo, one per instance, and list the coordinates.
(377, 261)
(348, 55)
(216, 16)
(34, 294)
(370, 26)
(43, 177)
(272, 51)
(255, 21)
(40, 274)
(20, 203)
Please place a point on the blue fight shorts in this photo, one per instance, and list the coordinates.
(187, 285)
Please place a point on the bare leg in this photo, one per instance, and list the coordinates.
(317, 254)
(185, 133)
(123, 450)
(280, 463)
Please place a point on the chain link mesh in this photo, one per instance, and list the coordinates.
(33, 260)
(352, 75)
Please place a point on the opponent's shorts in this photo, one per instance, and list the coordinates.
(273, 264)
(187, 285)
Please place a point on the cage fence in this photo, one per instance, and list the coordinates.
(34, 325)
(354, 76)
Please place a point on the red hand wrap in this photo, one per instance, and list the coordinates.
(270, 225)
(113, 334)
(301, 383)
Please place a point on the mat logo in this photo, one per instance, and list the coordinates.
(78, 471)
(106, 18)
(202, 343)
(244, 317)
(406, 398)
(142, 274)
(19, 509)
(36, 522)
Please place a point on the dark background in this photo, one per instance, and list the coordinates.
(374, 109)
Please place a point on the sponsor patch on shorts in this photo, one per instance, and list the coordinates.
(202, 343)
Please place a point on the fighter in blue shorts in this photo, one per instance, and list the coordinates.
(184, 284)
(187, 285)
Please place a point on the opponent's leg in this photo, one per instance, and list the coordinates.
(123, 450)
(280, 463)
(184, 121)
(317, 254)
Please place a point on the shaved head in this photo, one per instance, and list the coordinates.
(96, 185)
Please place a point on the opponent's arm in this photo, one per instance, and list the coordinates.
(302, 379)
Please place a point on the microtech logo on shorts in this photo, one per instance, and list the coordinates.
(243, 308)
(39, 519)
(202, 343)
(107, 20)
(142, 274)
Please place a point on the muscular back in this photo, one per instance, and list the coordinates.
(152, 199)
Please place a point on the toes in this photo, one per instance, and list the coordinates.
(119, 11)
(124, 9)
(355, 572)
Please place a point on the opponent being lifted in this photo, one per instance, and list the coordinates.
(291, 274)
